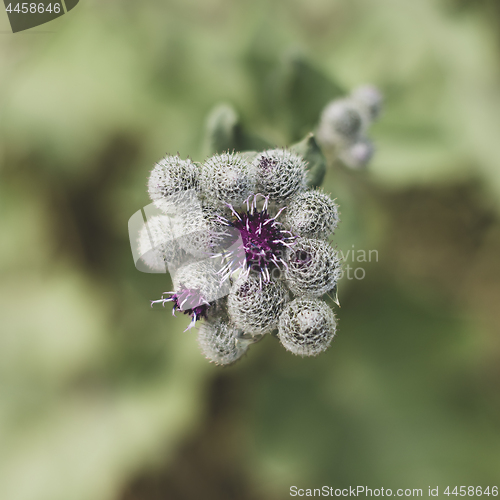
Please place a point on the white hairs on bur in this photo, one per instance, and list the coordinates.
(312, 214)
(220, 342)
(170, 183)
(313, 267)
(307, 326)
(280, 174)
(226, 178)
(254, 305)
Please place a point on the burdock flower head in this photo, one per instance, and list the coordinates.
(251, 255)
(245, 235)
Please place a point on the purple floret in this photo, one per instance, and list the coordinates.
(182, 301)
(263, 240)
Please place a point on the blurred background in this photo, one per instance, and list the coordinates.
(103, 398)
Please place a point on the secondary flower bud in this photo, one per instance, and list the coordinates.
(344, 123)
(358, 155)
(341, 123)
(204, 279)
(197, 286)
(370, 98)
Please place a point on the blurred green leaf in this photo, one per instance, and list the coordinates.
(224, 132)
(306, 91)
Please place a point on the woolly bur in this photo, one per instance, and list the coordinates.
(306, 327)
(170, 182)
(313, 268)
(312, 214)
(220, 342)
(254, 305)
(280, 174)
(226, 178)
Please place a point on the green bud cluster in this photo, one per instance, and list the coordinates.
(344, 123)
